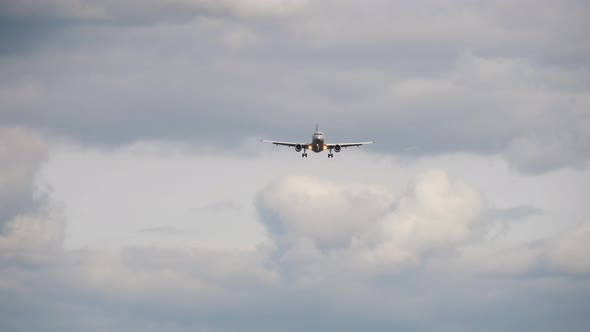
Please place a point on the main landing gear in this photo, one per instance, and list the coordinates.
(304, 154)
(330, 155)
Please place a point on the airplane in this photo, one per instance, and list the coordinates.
(317, 144)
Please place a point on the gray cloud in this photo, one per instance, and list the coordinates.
(220, 206)
(539, 153)
(26, 26)
(151, 11)
(167, 230)
(477, 80)
(503, 219)
(515, 213)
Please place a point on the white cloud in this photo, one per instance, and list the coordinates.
(300, 207)
(568, 252)
(324, 230)
(31, 230)
(435, 213)
(32, 239)
(21, 155)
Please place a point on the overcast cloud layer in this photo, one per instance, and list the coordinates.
(134, 194)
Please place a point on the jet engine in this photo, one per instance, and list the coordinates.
(337, 148)
(298, 147)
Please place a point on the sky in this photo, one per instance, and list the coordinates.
(135, 193)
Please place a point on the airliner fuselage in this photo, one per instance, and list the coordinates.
(317, 142)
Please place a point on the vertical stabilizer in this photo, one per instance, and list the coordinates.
(316, 127)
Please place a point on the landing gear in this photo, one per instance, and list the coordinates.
(330, 154)
(304, 154)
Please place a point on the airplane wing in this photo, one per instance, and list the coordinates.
(346, 145)
(283, 143)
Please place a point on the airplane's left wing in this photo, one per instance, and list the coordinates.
(346, 145)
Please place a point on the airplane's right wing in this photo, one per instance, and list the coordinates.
(291, 144)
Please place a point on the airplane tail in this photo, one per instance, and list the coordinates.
(316, 127)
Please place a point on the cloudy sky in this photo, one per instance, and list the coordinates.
(135, 194)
